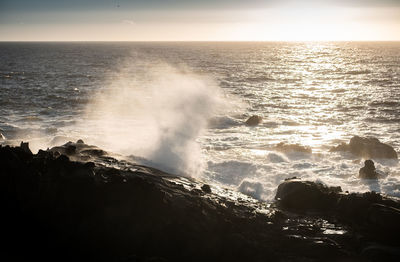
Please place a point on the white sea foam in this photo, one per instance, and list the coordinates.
(157, 113)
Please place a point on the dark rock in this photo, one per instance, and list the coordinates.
(25, 147)
(80, 141)
(2, 137)
(253, 120)
(63, 158)
(367, 147)
(119, 211)
(368, 171)
(376, 216)
(206, 188)
(79, 151)
(70, 150)
(306, 195)
(375, 252)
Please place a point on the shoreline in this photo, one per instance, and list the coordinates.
(76, 197)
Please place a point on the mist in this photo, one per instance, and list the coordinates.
(155, 111)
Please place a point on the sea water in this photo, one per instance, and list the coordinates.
(181, 106)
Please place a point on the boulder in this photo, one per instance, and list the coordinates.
(367, 147)
(253, 120)
(368, 171)
(206, 188)
(306, 195)
(375, 215)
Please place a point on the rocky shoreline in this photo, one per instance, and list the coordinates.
(75, 202)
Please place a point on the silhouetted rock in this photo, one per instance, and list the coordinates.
(253, 120)
(298, 194)
(206, 188)
(368, 171)
(367, 147)
(370, 213)
(292, 148)
(25, 147)
(2, 137)
(56, 204)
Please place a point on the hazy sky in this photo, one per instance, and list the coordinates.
(191, 20)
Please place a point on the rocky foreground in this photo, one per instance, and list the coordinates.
(75, 202)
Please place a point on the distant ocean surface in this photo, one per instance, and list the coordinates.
(181, 106)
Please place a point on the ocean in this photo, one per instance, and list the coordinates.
(181, 106)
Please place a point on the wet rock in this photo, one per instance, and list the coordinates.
(25, 147)
(306, 195)
(368, 171)
(376, 252)
(79, 151)
(371, 213)
(367, 147)
(292, 148)
(119, 211)
(206, 188)
(2, 137)
(254, 120)
(70, 149)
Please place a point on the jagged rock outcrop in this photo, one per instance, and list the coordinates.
(253, 120)
(76, 202)
(367, 147)
(371, 213)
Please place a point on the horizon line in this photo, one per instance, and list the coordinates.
(187, 41)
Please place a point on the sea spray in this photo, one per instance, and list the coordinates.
(155, 111)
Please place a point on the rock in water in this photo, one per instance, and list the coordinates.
(368, 171)
(291, 148)
(298, 194)
(367, 147)
(375, 215)
(254, 120)
(2, 137)
(206, 188)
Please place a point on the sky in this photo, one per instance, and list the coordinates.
(199, 20)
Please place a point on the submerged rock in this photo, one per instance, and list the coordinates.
(292, 148)
(368, 171)
(367, 147)
(254, 120)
